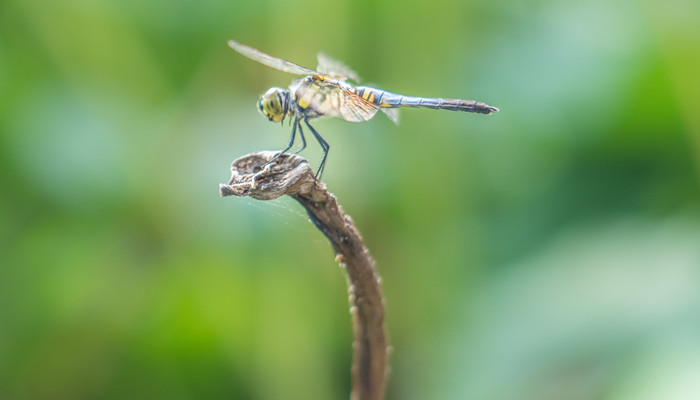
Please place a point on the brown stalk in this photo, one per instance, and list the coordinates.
(291, 175)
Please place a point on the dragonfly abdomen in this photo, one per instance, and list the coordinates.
(393, 100)
(370, 94)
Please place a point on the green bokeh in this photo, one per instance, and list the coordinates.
(550, 251)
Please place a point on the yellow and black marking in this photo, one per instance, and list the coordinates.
(371, 95)
(303, 102)
(306, 92)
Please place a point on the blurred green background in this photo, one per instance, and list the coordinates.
(550, 251)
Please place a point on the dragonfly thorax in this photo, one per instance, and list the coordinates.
(274, 104)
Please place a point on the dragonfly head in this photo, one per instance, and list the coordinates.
(274, 104)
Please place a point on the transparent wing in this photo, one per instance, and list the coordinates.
(354, 108)
(393, 114)
(335, 68)
(274, 62)
(357, 109)
(335, 101)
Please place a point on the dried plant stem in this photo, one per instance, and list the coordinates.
(291, 175)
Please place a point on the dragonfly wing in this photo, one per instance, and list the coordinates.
(354, 108)
(335, 101)
(270, 61)
(392, 113)
(335, 68)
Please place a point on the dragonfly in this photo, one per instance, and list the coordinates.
(328, 92)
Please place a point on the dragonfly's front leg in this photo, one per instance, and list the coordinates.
(289, 146)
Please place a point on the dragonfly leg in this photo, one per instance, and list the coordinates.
(289, 146)
(303, 140)
(324, 146)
